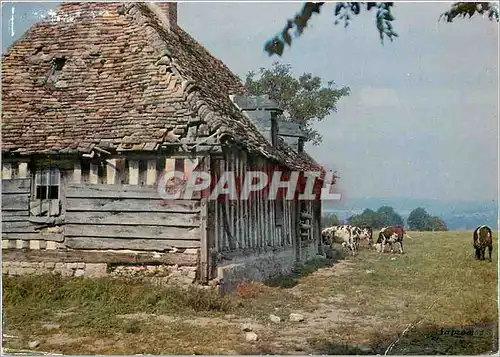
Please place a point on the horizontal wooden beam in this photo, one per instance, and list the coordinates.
(54, 237)
(166, 219)
(18, 227)
(135, 232)
(131, 205)
(22, 185)
(128, 243)
(78, 256)
(15, 202)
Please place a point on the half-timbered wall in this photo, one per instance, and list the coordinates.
(119, 207)
(20, 228)
(112, 204)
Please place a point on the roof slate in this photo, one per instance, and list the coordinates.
(110, 74)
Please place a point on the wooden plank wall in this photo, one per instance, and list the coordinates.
(19, 230)
(250, 224)
(126, 211)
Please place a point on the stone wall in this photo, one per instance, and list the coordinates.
(309, 251)
(65, 269)
(168, 273)
(263, 266)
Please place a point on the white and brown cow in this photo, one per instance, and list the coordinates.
(391, 235)
(346, 235)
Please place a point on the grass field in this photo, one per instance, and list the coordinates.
(443, 299)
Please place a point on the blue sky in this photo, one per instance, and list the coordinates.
(422, 119)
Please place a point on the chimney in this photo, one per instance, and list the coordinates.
(262, 112)
(169, 12)
(300, 148)
(274, 128)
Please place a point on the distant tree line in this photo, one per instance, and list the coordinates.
(418, 220)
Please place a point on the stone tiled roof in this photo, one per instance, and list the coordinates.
(111, 75)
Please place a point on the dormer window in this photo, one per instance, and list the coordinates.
(57, 66)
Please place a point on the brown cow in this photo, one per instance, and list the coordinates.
(391, 235)
(483, 238)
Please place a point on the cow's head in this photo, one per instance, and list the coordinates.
(327, 235)
(367, 234)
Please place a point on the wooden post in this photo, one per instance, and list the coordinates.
(297, 219)
(212, 223)
(111, 171)
(206, 232)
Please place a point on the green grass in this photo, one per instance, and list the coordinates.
(438, 270)
(437, 283)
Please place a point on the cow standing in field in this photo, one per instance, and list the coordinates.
(361, 234)
(346, 235)
(367, 233)
(391, 235)
(483, 238)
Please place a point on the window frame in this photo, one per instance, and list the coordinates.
(52, 178)
(37, 182)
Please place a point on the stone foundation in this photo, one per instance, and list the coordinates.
(65, 269)
(164, 273)
(262, 267)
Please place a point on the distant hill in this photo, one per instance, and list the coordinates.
(458, 215)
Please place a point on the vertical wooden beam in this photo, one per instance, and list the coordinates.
(206, 234)
(23, 170)
(298, 237)
(272, 220)
(235, 213)
(111, 171)
(6, 171)
(232, 207)
(260, 214)
(151, 173)
(254, 228)
(244, 211)
(93, 174)
(77, 172)
(214, 218)
(225, 211)
(133, 172)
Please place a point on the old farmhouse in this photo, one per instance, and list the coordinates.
(98, 101)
